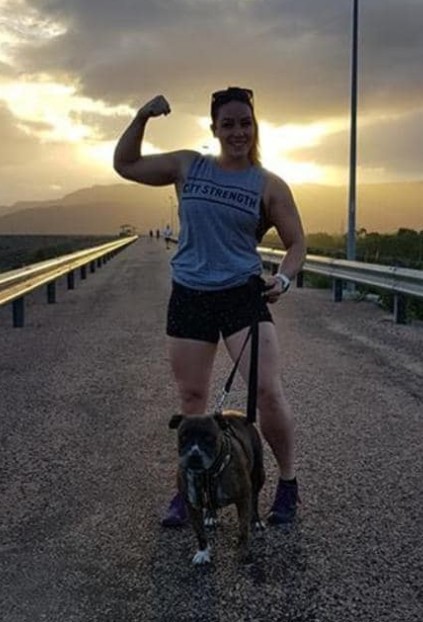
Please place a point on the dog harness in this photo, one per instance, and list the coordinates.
(205, 481)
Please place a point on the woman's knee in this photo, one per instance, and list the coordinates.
(273, 407)
(269, 397)
(194, 400)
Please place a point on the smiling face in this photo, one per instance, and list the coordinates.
(235, 128)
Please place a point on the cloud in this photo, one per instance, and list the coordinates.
(35, 170)
(388, 147)
(17, 145)
(113, 56)
(292, 52)
(395, 144)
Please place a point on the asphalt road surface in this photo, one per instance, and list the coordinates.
(87, 464)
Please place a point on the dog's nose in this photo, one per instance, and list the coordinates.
(194, 458)
(194, 451)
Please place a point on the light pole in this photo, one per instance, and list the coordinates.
(171, 201)
(353, 138)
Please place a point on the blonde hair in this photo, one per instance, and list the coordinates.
(254, 153)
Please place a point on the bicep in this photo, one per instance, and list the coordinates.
(159, 169)
(284, 215)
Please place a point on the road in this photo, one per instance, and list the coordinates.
(87, 464)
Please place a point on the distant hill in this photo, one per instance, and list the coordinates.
(97, 210)
(103, 209)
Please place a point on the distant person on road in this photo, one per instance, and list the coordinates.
(167, 234)
(157, 234)
(226, 203)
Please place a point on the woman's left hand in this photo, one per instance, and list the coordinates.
(273, 291)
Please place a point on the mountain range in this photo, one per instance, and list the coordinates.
(104, 209)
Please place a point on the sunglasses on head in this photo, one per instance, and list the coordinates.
(232, 93)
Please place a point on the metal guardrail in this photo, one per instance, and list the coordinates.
(16, 284)
(400, 282)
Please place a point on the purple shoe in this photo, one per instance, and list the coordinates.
(176, 515)
(284, 508)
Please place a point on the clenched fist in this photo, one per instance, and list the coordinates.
(154, 108)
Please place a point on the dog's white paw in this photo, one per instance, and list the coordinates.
(210, 521)
(202, 557)
(258, 525)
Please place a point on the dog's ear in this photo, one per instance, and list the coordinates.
(175, 420)
(221, 421)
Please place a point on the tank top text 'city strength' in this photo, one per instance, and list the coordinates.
(219, 212)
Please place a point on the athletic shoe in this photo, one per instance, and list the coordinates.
(176, 515)
(284, 508)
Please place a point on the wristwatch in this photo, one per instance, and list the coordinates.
(283, 280)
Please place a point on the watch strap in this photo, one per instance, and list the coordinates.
(283, 280)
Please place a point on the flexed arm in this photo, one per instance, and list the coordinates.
(153, 170)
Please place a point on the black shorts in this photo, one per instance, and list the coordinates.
(205, 315)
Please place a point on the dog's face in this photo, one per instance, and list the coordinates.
(199, 440)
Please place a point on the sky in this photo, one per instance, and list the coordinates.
(74, 72)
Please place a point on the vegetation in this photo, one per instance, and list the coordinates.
(17, 251)
(403, 248)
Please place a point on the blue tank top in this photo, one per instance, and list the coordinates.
(219, 212)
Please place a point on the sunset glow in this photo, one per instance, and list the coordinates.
(51, 109)
(73, 74)
(280, 148)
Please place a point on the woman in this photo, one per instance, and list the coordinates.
(224, 204)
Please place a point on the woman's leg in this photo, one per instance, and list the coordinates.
(192, 364)
(276, 419)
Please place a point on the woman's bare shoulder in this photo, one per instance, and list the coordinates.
(186, 157)
(276, 189)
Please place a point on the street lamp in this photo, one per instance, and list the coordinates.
(353, 138)
(172, 205)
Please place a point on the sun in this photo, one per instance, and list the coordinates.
(276, 145)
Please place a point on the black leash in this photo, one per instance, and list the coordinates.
(257, 287)
(228, 384)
